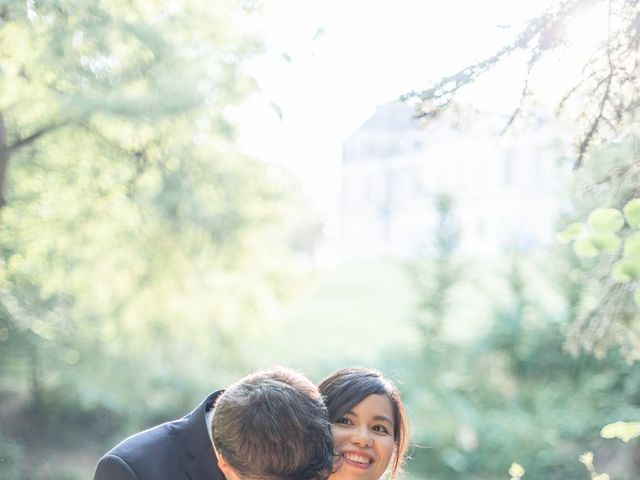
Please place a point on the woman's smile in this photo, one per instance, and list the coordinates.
(357, 459)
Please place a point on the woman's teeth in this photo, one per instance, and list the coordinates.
(353, 457)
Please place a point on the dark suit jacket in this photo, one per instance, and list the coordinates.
(178, 450)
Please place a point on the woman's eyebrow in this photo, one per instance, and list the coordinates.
(383, 418)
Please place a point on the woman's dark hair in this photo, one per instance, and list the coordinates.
(344, 389)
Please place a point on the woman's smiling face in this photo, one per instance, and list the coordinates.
(363, 439)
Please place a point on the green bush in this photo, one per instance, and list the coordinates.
(10, 457)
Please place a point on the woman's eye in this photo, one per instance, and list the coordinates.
(380, 429)
(343, 421)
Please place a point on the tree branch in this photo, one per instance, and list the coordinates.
(7, 150)
(22, 142)
(586, 141)
(140, 155)
(535, 56)
(446, 87)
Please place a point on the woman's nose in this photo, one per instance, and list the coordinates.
(362, 437)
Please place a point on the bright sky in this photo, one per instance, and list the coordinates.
(331, 62)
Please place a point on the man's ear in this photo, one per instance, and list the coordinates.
(229, 473)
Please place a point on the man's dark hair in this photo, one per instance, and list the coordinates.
(273, 425)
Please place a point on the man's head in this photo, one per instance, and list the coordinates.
(272, 425)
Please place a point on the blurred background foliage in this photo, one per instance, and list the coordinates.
(139, 247)
(144, 261)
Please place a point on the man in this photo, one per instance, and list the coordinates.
(270, 425)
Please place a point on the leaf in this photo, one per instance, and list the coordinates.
(585, 248)
(606, 220)
(571, 232)
(593, 244)
(625, 431)
(632, 212)
(626, 269)
(587, 459)
(606, 242)
(516, 470)
(632, 245)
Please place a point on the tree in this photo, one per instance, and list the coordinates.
(137, 243)
(603, 105)
(501, 396)
(83, 66)
(436, 272)
(607, 90)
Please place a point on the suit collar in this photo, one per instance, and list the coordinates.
(202, 462)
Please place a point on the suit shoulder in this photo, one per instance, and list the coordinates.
(152, 439)
(112, 467)
(160, 452)
(147, 455)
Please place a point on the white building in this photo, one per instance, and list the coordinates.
(505, 188)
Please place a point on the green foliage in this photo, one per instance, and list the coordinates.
(571, 232)
(594, 243)
(601, 287)
(625, 431)
(606, 230)
(606, 242)
(502, 395)
(606, 220)
(144, 259)
(138, 246)
(600, 234)
(625, 270)
(436, 271)
(632, 213)
(632, 245)
(10, 457)
(516, 471)
(587, 460)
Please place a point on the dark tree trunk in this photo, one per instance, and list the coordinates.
(35, 373)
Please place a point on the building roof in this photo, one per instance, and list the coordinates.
(392, 117)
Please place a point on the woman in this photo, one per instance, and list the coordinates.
(368, 422)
